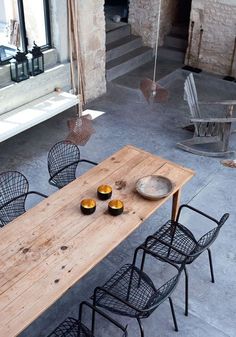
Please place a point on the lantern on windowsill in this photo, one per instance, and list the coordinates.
(36, 61)
(19, 67)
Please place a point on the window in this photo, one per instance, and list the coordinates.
(21, 23)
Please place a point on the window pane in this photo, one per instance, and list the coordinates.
(10, 37)
(35, 22)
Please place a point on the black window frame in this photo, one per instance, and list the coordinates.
(23, 33)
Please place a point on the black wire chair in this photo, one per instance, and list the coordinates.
(177, 243)
(14, 188)
(72, 327)
(130, 292)
(63, 159)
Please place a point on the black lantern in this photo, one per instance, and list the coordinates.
(36, 61)
(19, 67)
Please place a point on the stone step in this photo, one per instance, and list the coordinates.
(176, 42)
(128, 62)
(181, 31)
(171, 53)
(118, 33)
(123, 46)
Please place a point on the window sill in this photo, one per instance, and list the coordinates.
(15, 95)
(50, 60)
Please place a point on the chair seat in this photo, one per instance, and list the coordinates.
(70, 328)
(179, 237)
(141, 290)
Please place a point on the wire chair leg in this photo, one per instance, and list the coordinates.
(173, 314)
(211, 265)
(186, 291)
(140, 327)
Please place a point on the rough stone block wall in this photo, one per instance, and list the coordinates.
(218, 20)
(92, 37)
(143, 16)
(143, 19)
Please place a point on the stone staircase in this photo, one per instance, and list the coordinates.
(124, 52)
(175, 44)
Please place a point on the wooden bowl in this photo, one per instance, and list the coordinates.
(115, 207)
(104, 192)
(88, 206)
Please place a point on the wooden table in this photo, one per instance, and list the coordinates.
(52, 246)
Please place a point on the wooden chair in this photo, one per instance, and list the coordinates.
(207, 130)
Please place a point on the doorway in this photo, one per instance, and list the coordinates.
(182, 13)
(116, 13)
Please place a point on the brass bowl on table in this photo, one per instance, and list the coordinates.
(104, 192)
(115, 207)
(88, 206)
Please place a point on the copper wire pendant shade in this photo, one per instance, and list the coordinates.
(152, 91)
(80, 127)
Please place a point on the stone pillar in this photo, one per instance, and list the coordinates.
(217, 18)
(92, 39)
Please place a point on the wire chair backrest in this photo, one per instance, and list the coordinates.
(207, 239)
(163, 292)
(63, 159)
(13, 191)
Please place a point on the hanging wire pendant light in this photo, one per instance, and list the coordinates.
(152, 91)
(80, 127)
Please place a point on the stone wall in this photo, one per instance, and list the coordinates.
(218, 20)
(92, 37)
(143, 16)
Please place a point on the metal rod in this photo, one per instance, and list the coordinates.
(199, 45)
(157, 41)
(232, 59)
(190, 42)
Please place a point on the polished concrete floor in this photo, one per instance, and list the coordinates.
(128, 119)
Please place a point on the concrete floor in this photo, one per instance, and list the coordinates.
(128, 119)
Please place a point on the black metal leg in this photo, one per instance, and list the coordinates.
(211, 265)
(142, 267)
(140, 327)
(186, 291)
(143, 261)
(173, 314)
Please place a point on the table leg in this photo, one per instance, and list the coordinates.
(175, 204)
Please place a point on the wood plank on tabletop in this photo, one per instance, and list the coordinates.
(110, 164)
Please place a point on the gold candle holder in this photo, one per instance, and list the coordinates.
(115, 207)
(88, 206)
(104, 192)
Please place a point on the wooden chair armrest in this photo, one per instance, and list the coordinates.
(227, 102)
(213, 120)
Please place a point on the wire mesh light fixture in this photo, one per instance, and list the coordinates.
(152, 91)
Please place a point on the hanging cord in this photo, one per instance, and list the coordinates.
(157, 41)
(75, 47)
